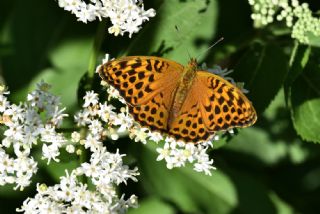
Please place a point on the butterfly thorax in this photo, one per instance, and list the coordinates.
(181, 92)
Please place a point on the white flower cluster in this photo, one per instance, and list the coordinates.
(105, 171)
(125, 15)
(297, 16)
(98, 115)
(25, 125)
(35, 121)
(102, 121)
(175, 153)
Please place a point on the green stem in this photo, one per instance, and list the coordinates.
(84, 155)
(100, 34)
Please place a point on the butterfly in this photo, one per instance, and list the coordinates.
(186, 103)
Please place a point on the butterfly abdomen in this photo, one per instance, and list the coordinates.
(181, 93)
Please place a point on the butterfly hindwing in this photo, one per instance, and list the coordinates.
(189, 125)
(153, 113)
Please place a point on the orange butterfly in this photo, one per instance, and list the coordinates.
(186, 103)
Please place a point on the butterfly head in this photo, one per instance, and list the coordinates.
(193, 63)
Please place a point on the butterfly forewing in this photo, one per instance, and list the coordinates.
(147, 84)
(224, 106)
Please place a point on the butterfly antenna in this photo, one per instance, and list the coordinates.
(180, 38)
(211, 46)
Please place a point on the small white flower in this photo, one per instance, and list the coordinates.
(15, 132)
(124, 120)
(164, 153)
(92, 142)
(91, 170)
(114, 136)
(96, 127)
(56, 116)
(82, 118)
(189, 151)
(90, 98)
(6, 163)
(139, 134)
(15, 113)
(204, 164)
(70, 148)
(75, 137)
(50, 152)
(155, 136)
(3, 103)
(106, 112)
(114, 93)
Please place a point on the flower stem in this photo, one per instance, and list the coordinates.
(84, 154)
(96, 47)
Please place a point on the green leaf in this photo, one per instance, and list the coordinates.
(152, 205)
(256, 143)
(56, 169)
(305, 102)
(267, 144)
(262, 69)
(236, 36)
(66, 72)
(252, 194)
(299, 59)
(313, 39)
(196, 21)
(281, 206)
(303, 91)
(31, 33)
(191, 191)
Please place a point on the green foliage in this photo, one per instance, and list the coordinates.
(182, 186)
(260, 65)
(172, 35)
(304, 93)
(152, 205)
(268, 168)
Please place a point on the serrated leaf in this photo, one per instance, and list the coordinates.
(305, 102)
(298, 60)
